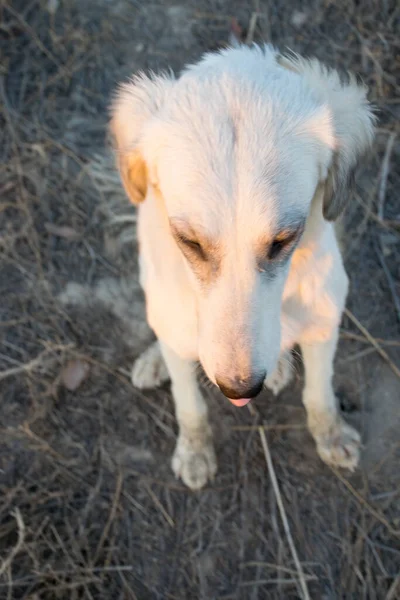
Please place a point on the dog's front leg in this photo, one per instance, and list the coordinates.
(194, 457)
(337, 443)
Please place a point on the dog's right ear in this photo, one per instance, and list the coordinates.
(136, 103)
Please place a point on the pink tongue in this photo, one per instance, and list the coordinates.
(240, 401)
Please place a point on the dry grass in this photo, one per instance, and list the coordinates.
(88, 505)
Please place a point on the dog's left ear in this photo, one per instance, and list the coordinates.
(353, 126)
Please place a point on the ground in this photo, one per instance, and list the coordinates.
(89, 507)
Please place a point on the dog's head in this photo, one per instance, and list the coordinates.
(239, 148)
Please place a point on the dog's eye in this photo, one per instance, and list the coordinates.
(193, 247)
(280, 244)
(275, 249)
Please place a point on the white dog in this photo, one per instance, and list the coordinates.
(242, 163)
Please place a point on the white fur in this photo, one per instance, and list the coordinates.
(150, 370)
(239, 147)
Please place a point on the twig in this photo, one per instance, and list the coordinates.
(21, 537)
(384, 175)
(373, 341)
(282, 511)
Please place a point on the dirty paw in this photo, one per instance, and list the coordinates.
(339, 446)
(149, 370)
(194, 462)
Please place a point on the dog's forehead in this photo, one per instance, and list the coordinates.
(232, 151)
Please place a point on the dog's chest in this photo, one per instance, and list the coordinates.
(170, 306)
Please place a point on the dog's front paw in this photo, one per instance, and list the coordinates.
(282, 375)
(338, 445)
(194, 460)
(149, 370)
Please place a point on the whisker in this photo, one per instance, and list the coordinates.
(202, 377)
(291, 364)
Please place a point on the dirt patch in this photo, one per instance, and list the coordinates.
(89, 507)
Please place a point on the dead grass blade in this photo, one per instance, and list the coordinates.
(349, 335)
(160, 507)
(285, 522)
(35, 363)
(375, 513)
(111, 517)
(390, 280)
(276, 427)
(21, 537)
(252, 28)
(384, 175)
(393, 590)
(31, 32)
(373, 341)
(275, 581)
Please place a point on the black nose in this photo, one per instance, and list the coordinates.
(236, 387)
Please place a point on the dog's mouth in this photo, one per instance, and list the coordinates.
(239, 401)
(251, 391)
